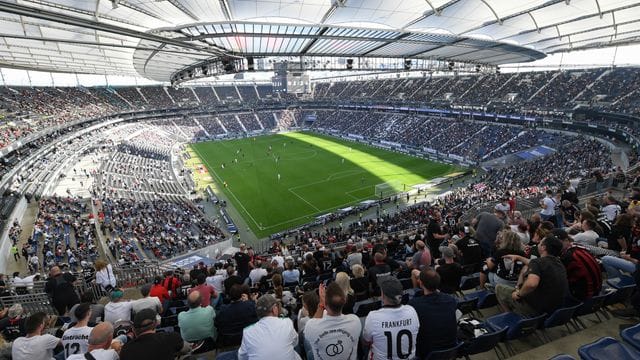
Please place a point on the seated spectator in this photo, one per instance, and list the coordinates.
(542, 286)
(284, 296)
(257, 273)
(101, 344)
(207, 292)
(501, 270)
(291, 276)
(343, 280)
(196, 324)
(583, 271)
(359, 283)
(310, 301)
(35, 345)
(333, 327)
(611, 209)
(159, 291)
(13, 325)
(469, 248)
(588, 236)
(75, 339)
(60, 288)
(385, 330)
(272, 337)
(117, 309)
(148, 344)
(232, 279)
(355, 255)
(620, 237)
(147, 301)
(97, 310)
(240, 313)
(378, 270)
(422, 256)
(450, 272)
(436, 315)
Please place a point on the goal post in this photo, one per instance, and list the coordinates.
(388, 188)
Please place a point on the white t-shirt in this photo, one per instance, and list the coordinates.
(586, 238)
(76, 340)
(503, 207)
(117, 311)
(150, 302)
(550, 207)
(99, 354)
(217, 281)
(611, 211)
(34, 348)
(279, 259)
(392, 333)
(268, 339)
(256, 275)
(333, 337)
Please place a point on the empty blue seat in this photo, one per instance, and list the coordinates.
(593, 305)
(446, 354)
(562, 357)
(621, 282)
(561, 316)
(632, 336)
(483, 343)
(517, 326)
(607, 348)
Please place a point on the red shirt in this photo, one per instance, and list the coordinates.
(206, 293)
(160, 292)
(172, 283)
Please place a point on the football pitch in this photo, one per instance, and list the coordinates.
(280, 181)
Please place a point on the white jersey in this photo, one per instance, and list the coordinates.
(99, 354)
(76, 340)
(392, 332)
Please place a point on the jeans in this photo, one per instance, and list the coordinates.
(614, 266)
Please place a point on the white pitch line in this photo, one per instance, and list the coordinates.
(303, 199)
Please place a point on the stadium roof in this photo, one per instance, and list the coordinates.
(158, 38)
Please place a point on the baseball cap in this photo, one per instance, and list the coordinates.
(144, 318)
(391, 287)
(15, 310)
(264, 304)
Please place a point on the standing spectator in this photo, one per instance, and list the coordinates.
(172, 283)
(542, 286)
(435, 235)
(148, 344)
(217, 276)
(159, 291)
(75, 340)
(487, 226)
(206, 291)
(59, 286)
(104, 276)
(197, 323)
(326, 330)
(15, 252)
(35, 346)
(436, 314)
(470, 249)
(232, 279)
(101, 344)
(242, 262)
(548, 205)
(271, 337)
(116, 309)
(391, 331)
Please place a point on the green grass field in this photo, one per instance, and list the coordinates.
(318, 174)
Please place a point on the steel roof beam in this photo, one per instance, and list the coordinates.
(184, 10)
(492, 10)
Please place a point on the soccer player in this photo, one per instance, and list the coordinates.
(391, 331)
(278, 177)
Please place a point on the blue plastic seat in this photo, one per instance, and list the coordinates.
(467, 306)
(517, 326)
(607, 348)
(483, 343)
(632, 336)
(562, 357)
(446, 354)
(561, 316)
(621, 282)
(621, 295)
(486, 299)
(470, 282)
(593, 305)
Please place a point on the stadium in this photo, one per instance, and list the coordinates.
(319, 179)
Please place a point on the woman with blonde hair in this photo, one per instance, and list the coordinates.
(104, 275)
(499, 270)
(343, 280)
(359, 283)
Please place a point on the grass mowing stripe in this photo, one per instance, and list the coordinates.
(318, 175)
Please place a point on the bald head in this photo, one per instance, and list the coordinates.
(194, 299)
(101, 336)
(54, 271)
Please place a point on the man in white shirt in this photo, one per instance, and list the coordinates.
(35, 346)
(101, 344)
(548, 205)
(611, 209)
(279, 259)
(257, 273)
(587, 236)
(117, 309)
(332, 335)
(147, 302)
(75, 340)
(391, 331)
(271, 337)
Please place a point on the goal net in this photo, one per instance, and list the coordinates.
(388, 188)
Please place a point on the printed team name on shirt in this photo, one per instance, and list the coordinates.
(335, 343)
(75, 337)
(394, 324)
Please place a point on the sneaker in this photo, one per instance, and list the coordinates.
(625, 313)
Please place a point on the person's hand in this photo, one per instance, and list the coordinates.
(244, 297)
(515, 296)
(321, 294)
(512, 257)
(254, 296)
(116, 345)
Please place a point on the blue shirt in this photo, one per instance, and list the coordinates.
(438, 325)
(291, 276)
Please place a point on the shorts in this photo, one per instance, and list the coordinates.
(503, 293)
